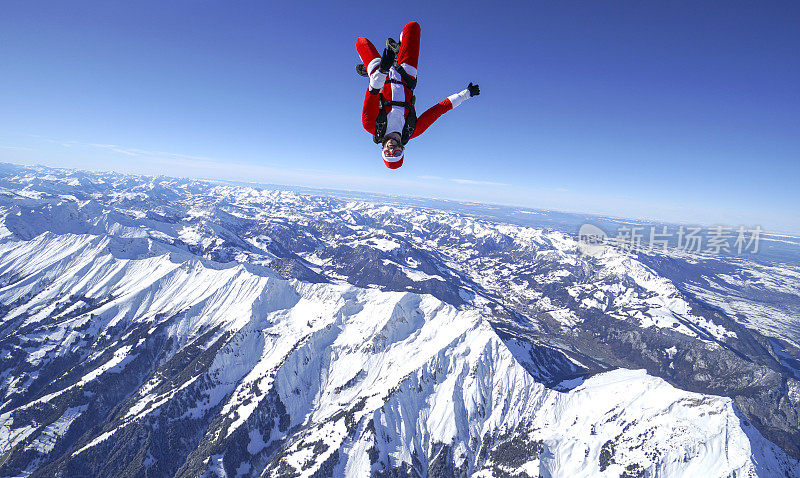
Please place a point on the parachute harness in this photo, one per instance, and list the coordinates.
(411, 120)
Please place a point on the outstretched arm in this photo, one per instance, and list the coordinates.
(434, 112)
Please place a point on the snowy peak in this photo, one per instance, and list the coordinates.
(177, 328)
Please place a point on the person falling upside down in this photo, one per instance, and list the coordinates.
(388, 112)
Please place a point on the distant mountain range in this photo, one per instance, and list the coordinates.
(172, 327)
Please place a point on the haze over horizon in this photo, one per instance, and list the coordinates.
(680, 112)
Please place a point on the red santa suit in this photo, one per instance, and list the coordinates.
(395, 89)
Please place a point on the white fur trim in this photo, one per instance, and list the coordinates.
(392, 160)
(458, 98)
(376, 80)
(410, 69)
(396, 117)
(373, 65)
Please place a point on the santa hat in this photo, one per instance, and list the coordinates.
(393, 162)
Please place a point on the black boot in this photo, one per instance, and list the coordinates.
(362, 70)
(393, 45)
(387, 59)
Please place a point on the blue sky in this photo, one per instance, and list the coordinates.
(684, 111)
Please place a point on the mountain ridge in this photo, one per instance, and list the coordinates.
(141, 323)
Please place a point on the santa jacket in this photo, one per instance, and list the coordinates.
(395, 90)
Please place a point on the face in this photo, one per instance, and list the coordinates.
(392, 148)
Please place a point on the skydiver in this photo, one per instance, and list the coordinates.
(388, 112)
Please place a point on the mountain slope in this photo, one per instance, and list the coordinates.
(177, 328)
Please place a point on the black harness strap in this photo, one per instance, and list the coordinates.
(410, 82)
(411, 120)
(404, 104)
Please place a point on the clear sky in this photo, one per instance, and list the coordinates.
(684, 111)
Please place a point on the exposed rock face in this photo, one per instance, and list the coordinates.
(178, 328)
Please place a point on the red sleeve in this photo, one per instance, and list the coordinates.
(434, 112)
(372, 104)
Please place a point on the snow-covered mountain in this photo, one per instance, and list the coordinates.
(165, 327)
